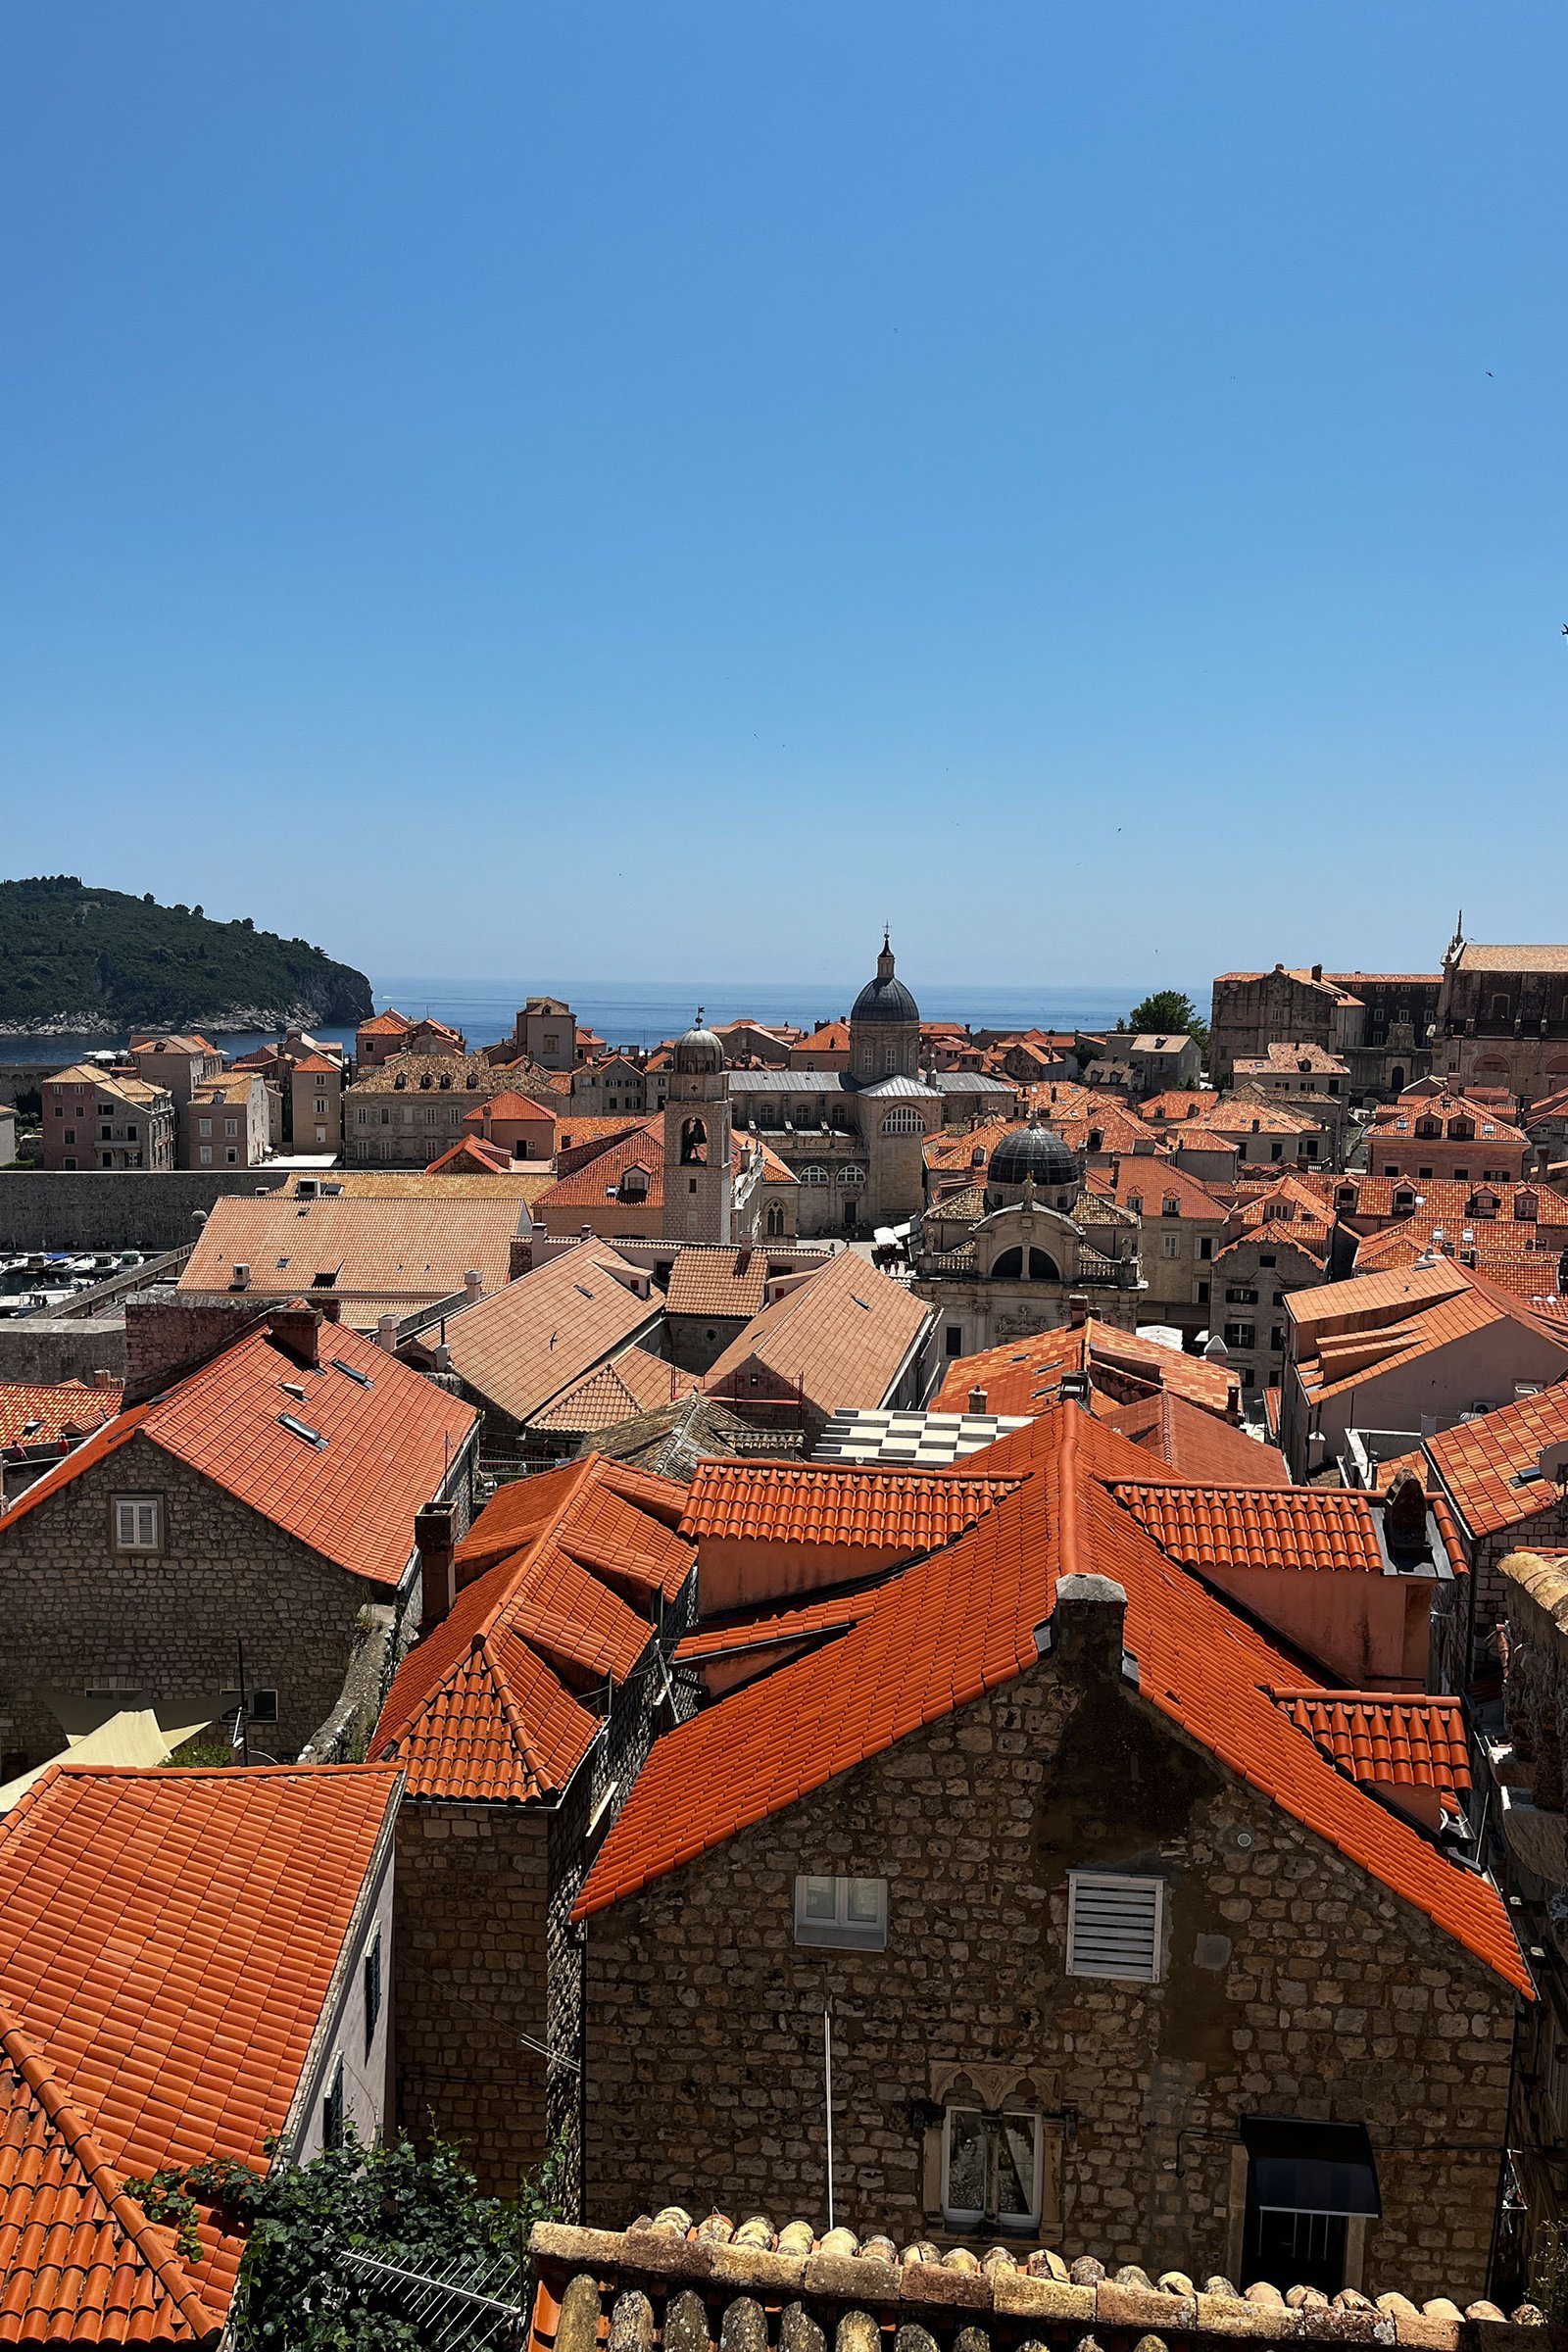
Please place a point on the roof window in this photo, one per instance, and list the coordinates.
(302, 1429)
(353, 1372)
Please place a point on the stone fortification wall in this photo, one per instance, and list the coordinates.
(129, 1208)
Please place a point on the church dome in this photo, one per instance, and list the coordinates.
(883, 999)
(698, 1054)
(1035, 1155)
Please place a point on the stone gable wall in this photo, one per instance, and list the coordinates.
(76, 1612)
(1292, 1983)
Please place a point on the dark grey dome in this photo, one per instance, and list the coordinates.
(698, 1054)
(1035, 1154)
(883, 999)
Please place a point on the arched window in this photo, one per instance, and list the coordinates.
(634, 1184)
(424, 1083)
(851, 1174)
(1429, 1126)
(1009, 1267)
(693, 1143)
(776, 1220)
(1462, 1131)
(814, 1175)
(446, 1084)
(1397, 1076)
(905, 1120)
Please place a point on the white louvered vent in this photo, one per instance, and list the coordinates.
(1113, 1926)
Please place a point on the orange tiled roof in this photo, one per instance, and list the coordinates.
(1446, 1103)
(384, 1252)
(1266, 1528)
(1385, 1737)
(1198, 1447)
(508, 1106)
(1155, 1179)
(790, 1623)
(951, 1627)
(710, 1280)
(523, 1348)
(385, 1024)
(636, 1382)
(1445, 1201)
(390, 1437)
(1022, 1376)
(32, 1414)
(841, 1338)
(601, 1178)
(1392, 1318)
(317, 1066)
(1488, 1467)
(873, 1510)
(477, 1156)
(168, 1941)
(565, 1566)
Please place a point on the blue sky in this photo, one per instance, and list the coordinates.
(652, 490)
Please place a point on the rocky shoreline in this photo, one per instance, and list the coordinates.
(261, 1019)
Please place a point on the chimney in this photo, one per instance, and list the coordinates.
(106, 1380)
(436, 1538)
(297, 1328)
(1077, 1310)
(519, 1255)
(473, 1287)
(1088, 1624)
(240, 1280)
(1404, 1514)
(977, 1400)
(387, 1333)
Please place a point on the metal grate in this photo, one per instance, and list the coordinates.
(474, 2304)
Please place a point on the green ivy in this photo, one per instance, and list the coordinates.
(418, 2208)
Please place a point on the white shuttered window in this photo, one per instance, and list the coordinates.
(1113, 1925)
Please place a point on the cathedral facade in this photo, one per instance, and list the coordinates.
(854, 1139)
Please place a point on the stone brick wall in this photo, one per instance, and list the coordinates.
(52, 1347)
(76, 1612)
(1292, 1983)
(124, 1208)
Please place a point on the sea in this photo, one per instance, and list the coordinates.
(632, 1012)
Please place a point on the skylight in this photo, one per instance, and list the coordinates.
(353, 1372)
(302, 1429)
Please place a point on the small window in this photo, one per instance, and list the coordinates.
(263, 1707)
(847, 1912)
(373, 1988)
(137, 1523)
(1170, 1244)
(990, 2170)
(1113, 1925)
(953, 1340)
(1205, 1248)
(332, 2108)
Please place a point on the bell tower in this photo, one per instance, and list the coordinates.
(697, 1136)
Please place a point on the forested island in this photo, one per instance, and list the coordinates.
(74, 957)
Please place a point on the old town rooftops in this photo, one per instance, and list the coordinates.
(376, 1255)
(501, 1702)
(1492, 1468)
(167, 1944)
(842, 1338)
(1348, 1332)
(539, 1334)
(965, 1620)
(1385, 1737)
(898, 1511)
(711, 2284)
(1023, 1376)
(32, 1414)
(342, 1469)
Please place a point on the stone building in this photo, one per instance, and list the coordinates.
(1434, 1132)
(229, 1122)
(1180, 1220)
(1503, 1017)
(97, 1118)
(410, 1107)
(1081, 1904)
(521, 1718)
(1010, 1256)
(388, 1034)
(1380, 1023)
(267, 1496)
(847, 1334)
(179, 1064)
(853, 1137)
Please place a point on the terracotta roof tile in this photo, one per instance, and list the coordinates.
(1197, 1447)
(963, 1621)
(636, 1382)
(902, 1512)
(706, 1280)
(519, 1185)
(166, 1944)
(379, 1251)
(1383, 1738)
(538, 1336)
(1022, 1376)
(841, 1338)
(1488, 1467)
(493, 1703)
(390, 1438)
(36, 1415)
(1273, 1528)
